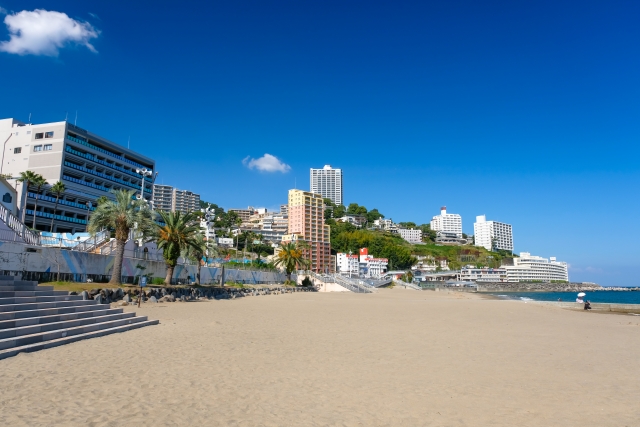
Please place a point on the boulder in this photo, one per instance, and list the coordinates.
(100, 299)
(73, 293)
(153, 299)
(127, 298)
(168, 298)
(85, 295)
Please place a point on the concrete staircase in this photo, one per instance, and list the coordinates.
(36, 317)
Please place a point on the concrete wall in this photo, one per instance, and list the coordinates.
(15, 257)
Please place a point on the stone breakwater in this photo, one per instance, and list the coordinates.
(539, 287)
(173, 294)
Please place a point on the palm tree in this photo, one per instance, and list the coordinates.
(58, 188)
(26, 178)
(122, 214)
(38, 183)
(291, 257)
(177, 235)
(201, 248)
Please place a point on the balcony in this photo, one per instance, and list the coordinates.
(60, 201)
(105, 176)
(102, 150)
(83, 182)
(29, 212)
(101, 162)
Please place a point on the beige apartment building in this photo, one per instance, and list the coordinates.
(169, 199)
(306, 223)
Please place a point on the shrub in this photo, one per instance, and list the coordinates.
(157, 281)
(307, 282)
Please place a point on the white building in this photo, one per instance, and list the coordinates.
(411, 235)
(492, 235)
(327, 182)
(89, 165)
(370, 266)
(484, 274)
(529, 268)
(348, 265)
(386, 224)
(449, 223)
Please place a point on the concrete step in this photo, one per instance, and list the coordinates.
(25, 300)
(40, 320)
(73, 338)
(10, 288)
(35, 293)
(42, 337)
(54, 326)
(39, 305)
(8, 278)
(52, 311)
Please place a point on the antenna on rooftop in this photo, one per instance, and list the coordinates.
(76, 122)
(66, 116)
(29, 118)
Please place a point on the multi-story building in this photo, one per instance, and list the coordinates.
(244, 214)
(411, 235)
(355, 220)
(527, 268)
(370, 266)
(386, 224)
(169, 199)
(348, 264)
(492, 235)
(450, 223)
(163, 198)
(89, 165)
(328, 183)
(484, 274)
(306, 223)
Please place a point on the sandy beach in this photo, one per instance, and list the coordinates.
(394, 358)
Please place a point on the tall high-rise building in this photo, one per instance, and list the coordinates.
(169, 199)
(89, 165)
(492, 234)
(306, 223)
(448, 223)
(328, 183)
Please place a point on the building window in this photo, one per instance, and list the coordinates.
(7, 198)
(39, 135)
(47, 147)
(17, 150)
(37, 148)
(48, 134)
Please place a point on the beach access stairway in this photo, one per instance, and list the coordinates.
(350, 284)
(36, 317)
(407, 285)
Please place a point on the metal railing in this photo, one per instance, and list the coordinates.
(339, 280)
(102, 150)
(21, 231)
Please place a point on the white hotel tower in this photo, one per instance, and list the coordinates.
(492, 234)
(447, 223)
(327, 182)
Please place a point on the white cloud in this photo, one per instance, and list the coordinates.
(266, 163)
(3, 11)
(43, 32)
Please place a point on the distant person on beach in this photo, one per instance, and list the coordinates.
(587, 305)
(559, 299)
(580, 300)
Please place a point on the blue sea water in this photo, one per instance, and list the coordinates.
(611, 297)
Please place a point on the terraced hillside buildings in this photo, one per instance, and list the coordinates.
(89, 165)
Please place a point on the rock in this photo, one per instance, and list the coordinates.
(126, 298)
(85, 295)
(152, 299)
(73, 293)
(167, 298)
(94, 292)
(100, 299)
(183, 298)
(123, 303)
(119, 293)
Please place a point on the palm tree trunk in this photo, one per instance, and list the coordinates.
(35, 206)
(25, 191)
(116, 276)
(198, 273)
(54, 212)
(167, 280)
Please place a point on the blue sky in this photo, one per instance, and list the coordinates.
(527, 112)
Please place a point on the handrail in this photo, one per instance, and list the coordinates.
(60, 201)
(102, 150)
(18, 227)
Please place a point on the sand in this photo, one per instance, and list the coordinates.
(395, 358)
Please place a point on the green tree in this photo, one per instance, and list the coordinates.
(177, 235)
(428, 235)
(58, 188)
(200, 249)
(407, 224)
(26, 178)
(121, 215)
(101, 200)
(373, 215)
(291, 257)
(39, 182)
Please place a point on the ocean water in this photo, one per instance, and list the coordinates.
(611, 297)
